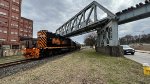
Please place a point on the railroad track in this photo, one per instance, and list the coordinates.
(13, 63)
(17, 62)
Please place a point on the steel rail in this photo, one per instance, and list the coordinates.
(14, 63)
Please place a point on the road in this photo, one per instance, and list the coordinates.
(140, 57)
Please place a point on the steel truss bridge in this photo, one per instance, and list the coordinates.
(107, 27)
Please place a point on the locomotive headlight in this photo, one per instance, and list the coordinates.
(33, 48)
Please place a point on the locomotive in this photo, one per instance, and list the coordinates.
(48, 44)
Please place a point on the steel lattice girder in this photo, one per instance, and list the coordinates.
(81, 23)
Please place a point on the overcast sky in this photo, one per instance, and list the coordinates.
(51, 14)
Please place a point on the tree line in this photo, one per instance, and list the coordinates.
(90, 39)
(129, 39)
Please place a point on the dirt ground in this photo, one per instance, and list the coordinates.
(82, 67)
(145, 47)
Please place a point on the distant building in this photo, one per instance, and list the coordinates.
(12, 25)
(26, 28)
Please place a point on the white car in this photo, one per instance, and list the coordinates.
(128, 49)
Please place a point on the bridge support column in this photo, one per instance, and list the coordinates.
(107, 40)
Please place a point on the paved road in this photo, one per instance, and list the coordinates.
(140, 57)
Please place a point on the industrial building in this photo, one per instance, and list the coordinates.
(12, 25)
(26, 28)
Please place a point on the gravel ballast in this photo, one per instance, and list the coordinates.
(7, 71)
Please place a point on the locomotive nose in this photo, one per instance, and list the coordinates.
(31, 53)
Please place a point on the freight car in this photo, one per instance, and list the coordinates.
(48, 44)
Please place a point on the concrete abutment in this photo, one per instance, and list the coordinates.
(107, 40)
(116, 51)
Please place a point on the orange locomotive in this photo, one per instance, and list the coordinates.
(48, 44)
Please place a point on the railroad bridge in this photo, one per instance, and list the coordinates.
(107, 27)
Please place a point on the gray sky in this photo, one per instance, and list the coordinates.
(51, 14)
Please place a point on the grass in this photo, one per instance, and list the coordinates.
(83, 67)
(8, 59)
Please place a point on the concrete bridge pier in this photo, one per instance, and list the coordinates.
(107, 40)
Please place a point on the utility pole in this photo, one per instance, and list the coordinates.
(142, 32)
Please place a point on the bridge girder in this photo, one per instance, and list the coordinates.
(140, 11)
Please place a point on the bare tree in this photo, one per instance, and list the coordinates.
(128, 39)
(90, 39)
